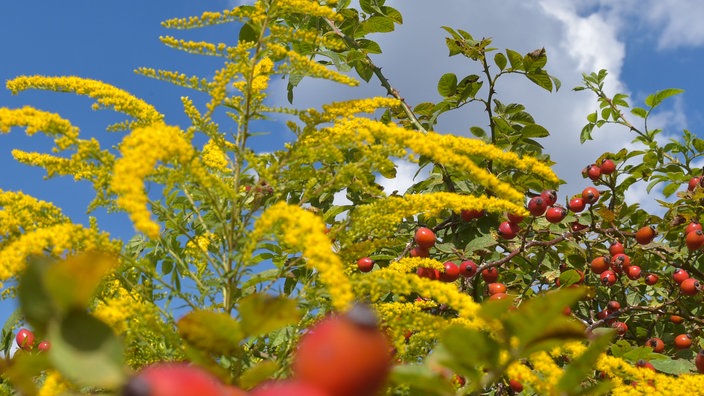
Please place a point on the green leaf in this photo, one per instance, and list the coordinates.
(369, 46)
(541, 78)
(592, 117)
(478, 132)
(447, 85)
(586, 133)
(370, 6)
(465, 350)
(421, 380)
(35, 301)
(639, 112)
(364, 70)
(569, 278)
(548, 325)
(534, 131)
(211, 332)
(392, 13)
(655, 99)
(500, 60)
(670, 189)
(85, 350)
(580, 367)
(257, 374)
(673, 366)
(262, 313)
(248, 33)
(515, 59)
(72, 282)
(375, 24)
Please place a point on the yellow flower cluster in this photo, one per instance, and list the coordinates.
(208, 18)
(57, 239)
(289, 34)
(388, 279)
(214, 157)
(218, 87)
(381, 217)
(54, 385)
(121, 309)
(106, 95)
(451, 150)
(351, 107)
(176, 78)
(403, 318)
(262, 70)
(302, 230)
(37, 120)
(195, 47)
(141, 150)
(197, 247)
(308, 67)
(310, 8)
(24, 213)
(410, 264)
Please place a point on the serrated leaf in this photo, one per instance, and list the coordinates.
(369, 46)
(85, 350)
(673, 366)
(211, 332)
(447, 85)
(375, 24)
(542, 79)
(534, 131)
(364, 70)
(515, 59)
(482, 242)
(392, 13)
(261, 313)
(500, 60)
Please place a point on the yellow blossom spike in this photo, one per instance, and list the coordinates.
(106, 95)
(195, 47)
(381, 217)
(208, 18)
(141, 150)
(300, 229)
(22, 213)
(57, 239)
(37, 120)
(308, 7)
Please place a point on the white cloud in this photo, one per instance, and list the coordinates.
(680, 21)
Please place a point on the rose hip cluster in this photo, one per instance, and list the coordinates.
(25, 341)
(545, 204)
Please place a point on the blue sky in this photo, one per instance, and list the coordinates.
(646, 45)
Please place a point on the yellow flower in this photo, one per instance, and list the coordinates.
(304, 231)
(121, 309)
(54, 385)
(106, 95)
(56, 239)
(141, 150)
